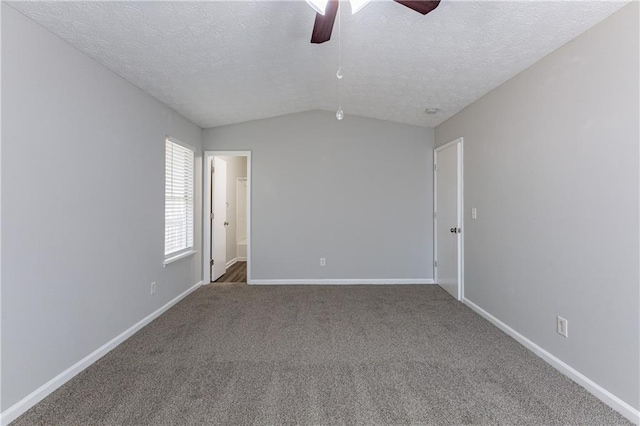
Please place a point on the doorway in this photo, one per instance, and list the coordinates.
(227, 216)
(448, 218)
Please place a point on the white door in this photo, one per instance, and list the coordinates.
(219, 221)
(448, 217)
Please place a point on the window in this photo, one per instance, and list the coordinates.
(178, 199)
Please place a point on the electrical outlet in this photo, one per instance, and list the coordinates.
(153, 287)
(562, 326)
(323, 261)
(474, 213)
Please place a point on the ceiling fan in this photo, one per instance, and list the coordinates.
(326, 11)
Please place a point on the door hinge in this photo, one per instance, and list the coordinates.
(435, 214)
(435, 263)
(211, 262)
(213, 169)
(435, 167)
(211, 215)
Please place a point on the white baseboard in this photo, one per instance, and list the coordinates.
(13, 412)
(231, 262)
(241, 259)
(598, 391)
(350, 281)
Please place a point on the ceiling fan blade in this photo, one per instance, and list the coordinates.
(424, 6)
(324, 23)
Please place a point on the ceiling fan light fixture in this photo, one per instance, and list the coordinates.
(357, 5)
(319, 6)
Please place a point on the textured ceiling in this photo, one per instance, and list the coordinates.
(225, 62)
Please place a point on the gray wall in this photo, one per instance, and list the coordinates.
(236, 167)
(358, 192)
(551, 164)
(82, 206)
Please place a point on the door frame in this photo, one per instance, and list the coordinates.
(206, 203)
(460, 160)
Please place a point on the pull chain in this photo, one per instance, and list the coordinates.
(339, 113)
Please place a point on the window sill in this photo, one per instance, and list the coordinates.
(172, 259)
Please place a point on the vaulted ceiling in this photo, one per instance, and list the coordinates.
(222, 62)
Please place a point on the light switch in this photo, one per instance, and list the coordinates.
(474, 213)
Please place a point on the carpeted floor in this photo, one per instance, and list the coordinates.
(235, 354)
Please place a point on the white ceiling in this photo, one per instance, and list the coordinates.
(222, 62)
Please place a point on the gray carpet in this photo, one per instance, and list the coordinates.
(236, 354)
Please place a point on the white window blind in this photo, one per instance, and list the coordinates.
(178, 199)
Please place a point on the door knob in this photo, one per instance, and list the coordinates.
(452, 230)
(226, 223)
